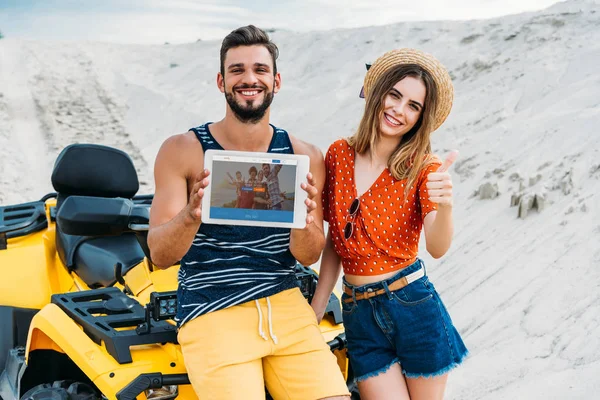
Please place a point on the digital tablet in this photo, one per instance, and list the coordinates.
(256, 189)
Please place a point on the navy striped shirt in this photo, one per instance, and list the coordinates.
(229, 265)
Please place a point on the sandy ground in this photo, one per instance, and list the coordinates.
(524, 292)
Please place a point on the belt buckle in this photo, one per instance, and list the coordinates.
(368, 294)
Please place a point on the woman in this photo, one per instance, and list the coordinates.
(382, 186)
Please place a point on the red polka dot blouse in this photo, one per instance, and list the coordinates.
(386, 230)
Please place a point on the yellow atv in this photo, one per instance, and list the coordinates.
(84, 314)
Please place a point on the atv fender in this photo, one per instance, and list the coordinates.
(52, 329)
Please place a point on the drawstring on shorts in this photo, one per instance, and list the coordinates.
(269, 321)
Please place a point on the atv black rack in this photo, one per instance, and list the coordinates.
(22, 219)
(100, 311)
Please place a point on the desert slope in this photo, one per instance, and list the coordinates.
(524, 292)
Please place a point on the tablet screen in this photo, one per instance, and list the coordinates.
(253, 189)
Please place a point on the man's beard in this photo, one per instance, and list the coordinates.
(249, 114)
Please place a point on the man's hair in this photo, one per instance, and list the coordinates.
(248, 36)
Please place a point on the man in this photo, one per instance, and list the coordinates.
(273, 185)
(243, 322)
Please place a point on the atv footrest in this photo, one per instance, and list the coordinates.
(154, 380)
(100, 311)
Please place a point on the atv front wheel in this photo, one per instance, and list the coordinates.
(62, 390)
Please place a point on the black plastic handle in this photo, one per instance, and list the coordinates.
(154, 380)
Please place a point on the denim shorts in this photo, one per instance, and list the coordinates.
(409, 326)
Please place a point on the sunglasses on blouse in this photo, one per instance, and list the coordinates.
(350, 218)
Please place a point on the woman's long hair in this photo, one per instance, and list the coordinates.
(413, 151)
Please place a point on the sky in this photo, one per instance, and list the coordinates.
(184, 21)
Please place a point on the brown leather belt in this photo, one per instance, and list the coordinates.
(396, 285)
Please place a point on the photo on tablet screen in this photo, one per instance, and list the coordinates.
(261, 190)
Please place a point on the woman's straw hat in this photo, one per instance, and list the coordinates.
(427, 62)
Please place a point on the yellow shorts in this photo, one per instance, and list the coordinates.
(233, 353)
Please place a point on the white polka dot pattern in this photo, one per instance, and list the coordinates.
(386, 228)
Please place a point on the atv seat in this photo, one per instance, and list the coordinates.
(100, 171)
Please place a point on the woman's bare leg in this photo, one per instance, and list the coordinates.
(427, 388)
(389, 385)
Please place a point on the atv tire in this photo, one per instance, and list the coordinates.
(62, 390)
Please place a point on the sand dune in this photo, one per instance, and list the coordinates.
(524, 291)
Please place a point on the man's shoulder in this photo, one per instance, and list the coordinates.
(181, 152)
(302, 147)
(180, 142)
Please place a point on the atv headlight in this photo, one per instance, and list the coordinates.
(307, 283)
(164, 305)
(164, 393)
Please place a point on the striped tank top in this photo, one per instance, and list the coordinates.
(229, 265)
